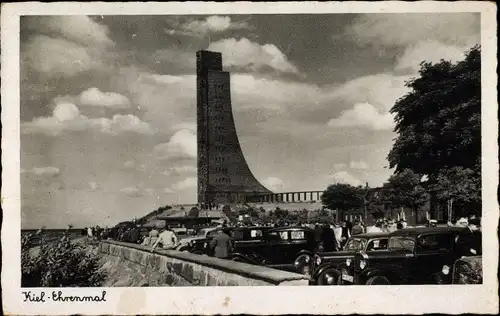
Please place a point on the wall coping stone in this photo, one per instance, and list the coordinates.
(263, 273)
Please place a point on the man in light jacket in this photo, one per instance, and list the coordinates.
(167, 239)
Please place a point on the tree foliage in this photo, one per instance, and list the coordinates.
(343, 196)
(439, 121)
(64, 263)
(463, 185)
(404, 189)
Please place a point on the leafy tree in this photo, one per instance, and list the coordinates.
(343, 197)
(404, 189)
(439, 121)
(64, 263)
(461, 186)
(194, 212)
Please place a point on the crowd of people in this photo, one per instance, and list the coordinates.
(330, 237)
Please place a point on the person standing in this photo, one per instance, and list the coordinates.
(346, 234)
(221, 244)
(337, 231)
(167, 239)
(357, 228)
(328, 239)
(89, 233)
(469, 240)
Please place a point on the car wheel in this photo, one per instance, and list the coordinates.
(378, 280)
(329, 277)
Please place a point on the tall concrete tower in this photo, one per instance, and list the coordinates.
(223, 173)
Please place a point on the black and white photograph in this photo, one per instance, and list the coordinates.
(329, 151)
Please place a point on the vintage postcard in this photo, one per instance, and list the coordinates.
(249, 158)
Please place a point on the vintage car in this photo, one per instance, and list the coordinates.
(277, 247)
(197, 243)
(324, 266)
(241, 237)
(414, 256)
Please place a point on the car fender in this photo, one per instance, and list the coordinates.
(331, 270)
(393, 273)
(305, 252)
(322, 267)
(243, 257)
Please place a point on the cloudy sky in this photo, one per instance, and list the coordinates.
(108, 103)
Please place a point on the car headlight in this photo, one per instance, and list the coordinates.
(318, 261)
(362, 264)
(446, 270)
(348, 262)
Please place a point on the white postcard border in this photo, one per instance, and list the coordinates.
(453, 299)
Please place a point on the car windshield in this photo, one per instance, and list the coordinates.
(377, 244)
(402, 243)
(355, 244)
(202, 232)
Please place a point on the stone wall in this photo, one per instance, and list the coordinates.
(134, 265)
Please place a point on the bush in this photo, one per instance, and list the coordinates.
(62, 264)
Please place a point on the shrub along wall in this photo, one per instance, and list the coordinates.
(134, 265)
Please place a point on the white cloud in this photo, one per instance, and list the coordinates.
(123, 123)
(345, 177)
(43, 171)
(183, 144)
(358, 165)
(132, 191)
(188, 125)
(63, 46)
(94, 97)
(180, 170)
(66, 117)
(429, 51)
(138, 191)
(274, 184)
(93, 185)
(339, 166)
(212, 24)
(363, 115)
(76, 28)
(188, 183)
(246, 54)
(55, 57)
(396, 29)
(168, 191)
(129, 164)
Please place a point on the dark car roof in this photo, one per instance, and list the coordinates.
(372, 235)
(291, 228)
(424, 230)
(250, 227)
